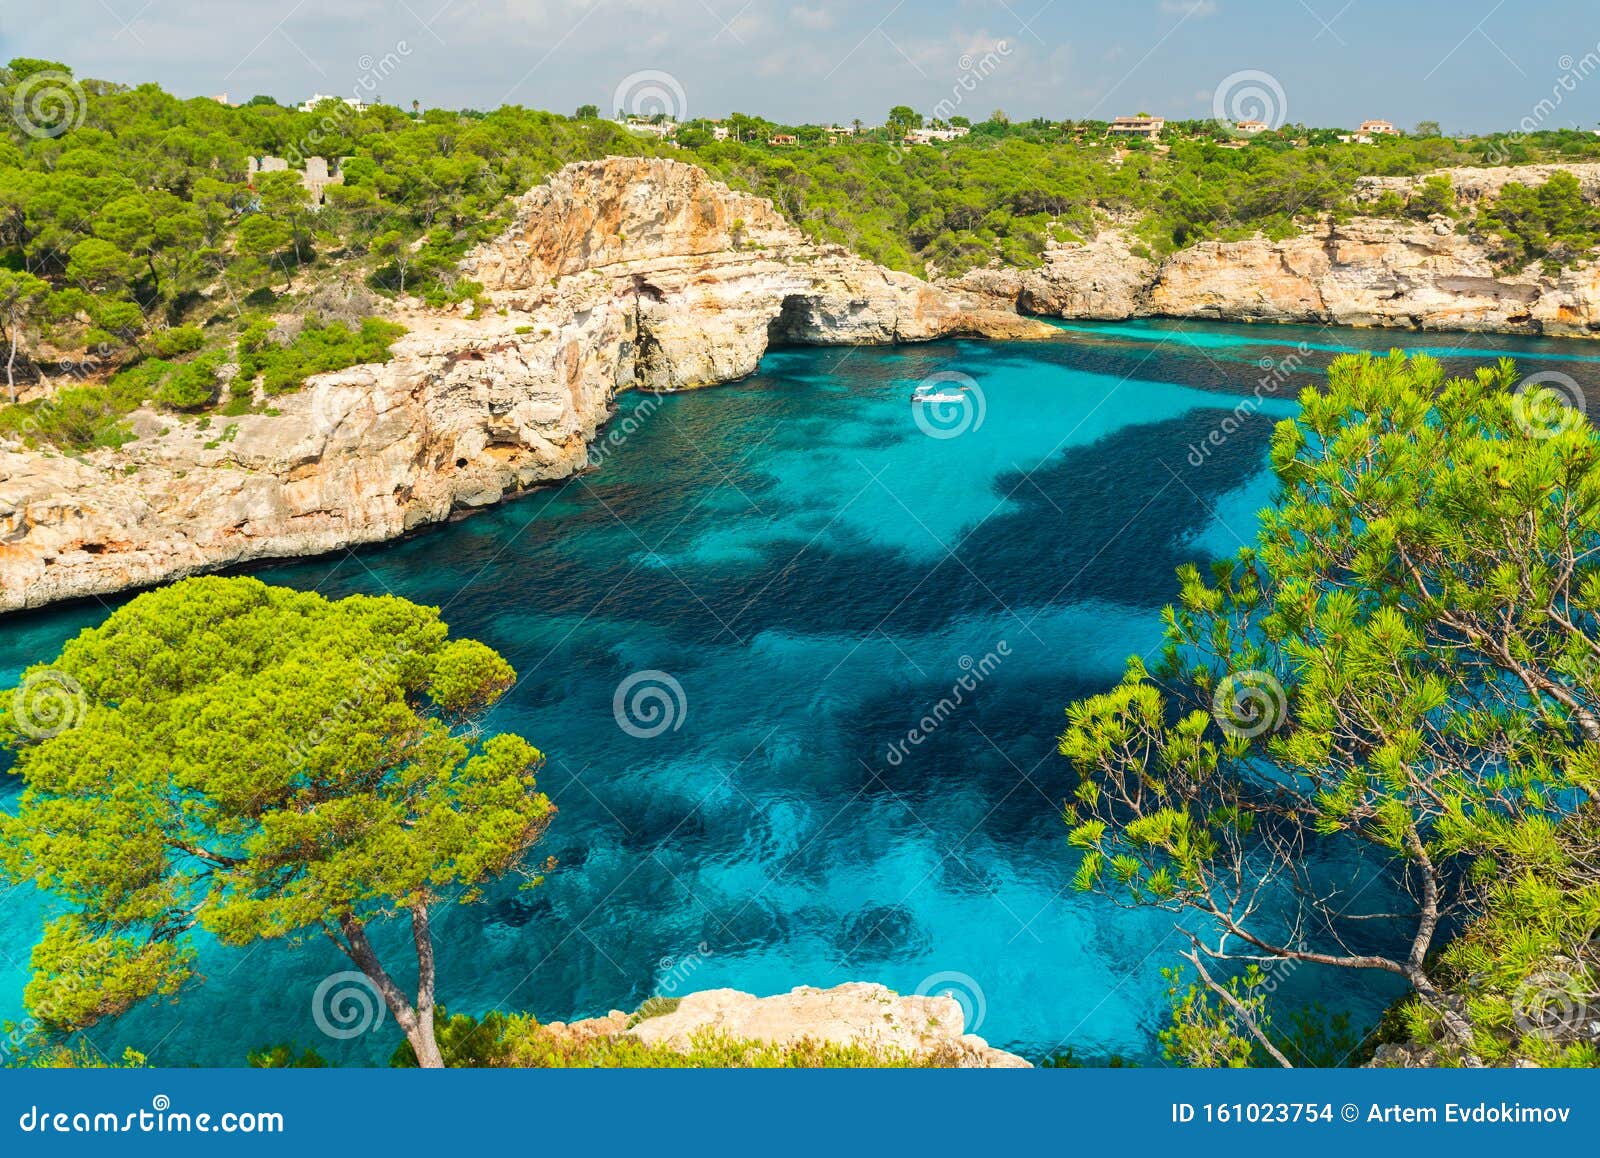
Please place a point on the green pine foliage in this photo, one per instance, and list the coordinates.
(1405, 671)
(1551, 222)
(142, 233)
(258, 763)
(317, 349)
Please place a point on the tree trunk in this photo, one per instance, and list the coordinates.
(416, 1022)
(423, 938)
(11, 362)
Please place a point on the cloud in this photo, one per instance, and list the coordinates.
(814, 19)
(1189, 7)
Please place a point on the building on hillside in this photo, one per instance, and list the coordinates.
(719, 132)
(314, 178)
(1252, 127)
(318, 175)
(318, 98)
(1147, 127)
(662, 129)
(781, 139)
(1383, 128)
(222, 99)
(928, 136)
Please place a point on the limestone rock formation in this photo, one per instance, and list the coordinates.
(1099, 279)
(1363, 272)
(1375, 272)
(1473, 184)
(617, 274)
(855, 1013)
(644, 273)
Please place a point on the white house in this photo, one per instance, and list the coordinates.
(1147, 127)
(317, 98)
(928, 136)
(662, 129)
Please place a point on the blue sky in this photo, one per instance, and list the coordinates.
(1471, 64)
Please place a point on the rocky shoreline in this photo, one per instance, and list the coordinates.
(633, 273)
(620, 274)
(1365, 272)
(872, 1017)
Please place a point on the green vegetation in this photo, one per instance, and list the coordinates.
(142, 233)
(283, 1057)
(1526, 969)
(1406, 671)
(464, 1041)
(1551, 222)
(76, 418)
(498, 1040)
(257, 763)
(529, 1045)
(654, 1007)
(316, 349)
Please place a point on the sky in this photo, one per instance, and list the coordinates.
(1472, 65)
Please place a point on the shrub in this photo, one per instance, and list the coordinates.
(192, 386)
(530, 1045)
(177, 340)
(317, 349)
(77, 418)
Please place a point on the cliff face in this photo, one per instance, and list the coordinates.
(1371, 272)
(644, 273)
(617, 274)
(1364, 272)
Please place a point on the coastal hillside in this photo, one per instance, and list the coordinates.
(1358, 271)
(618, 274)
(243, 332)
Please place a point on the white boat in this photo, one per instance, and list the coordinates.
(941, 397)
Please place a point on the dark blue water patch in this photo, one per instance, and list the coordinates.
(817, 573)
(880, 933)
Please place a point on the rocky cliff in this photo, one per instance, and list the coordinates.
(643, 273)
(617, 274)
(1367, 271)
(870, 1016)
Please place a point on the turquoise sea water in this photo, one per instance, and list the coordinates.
(816, 572)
